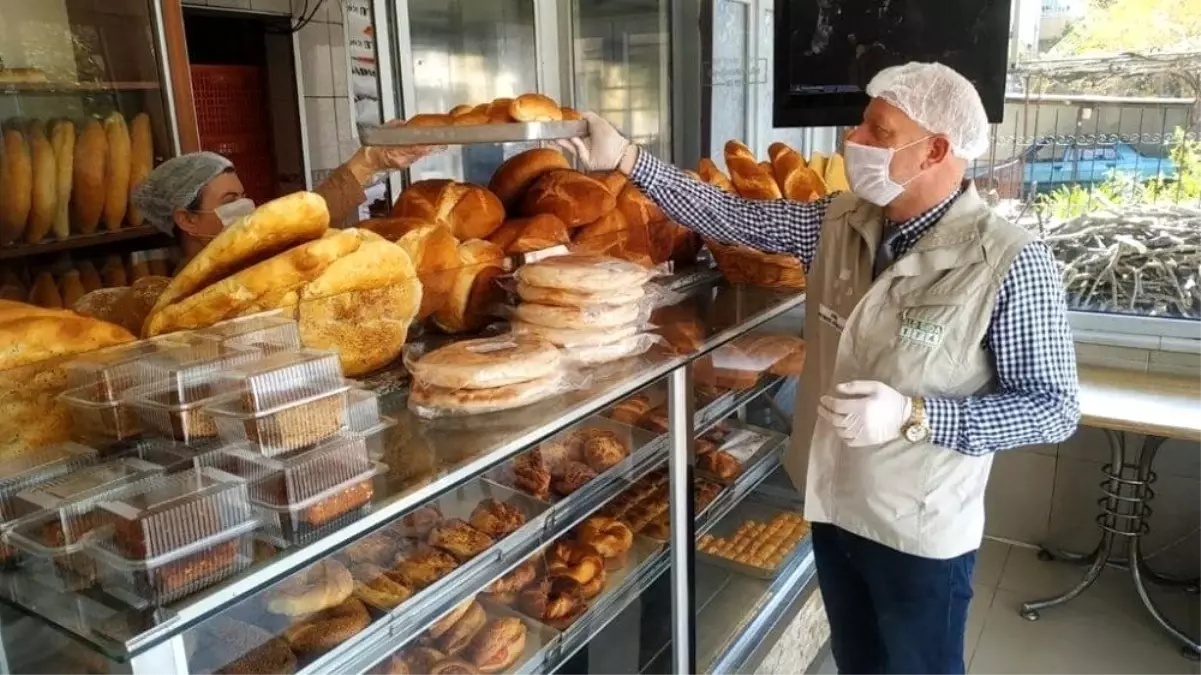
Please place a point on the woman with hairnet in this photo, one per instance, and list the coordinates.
(937, 335)
(199, 193)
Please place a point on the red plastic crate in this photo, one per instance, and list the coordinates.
(232, 118)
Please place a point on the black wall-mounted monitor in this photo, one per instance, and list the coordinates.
(826, 51)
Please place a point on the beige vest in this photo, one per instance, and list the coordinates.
(920, 329)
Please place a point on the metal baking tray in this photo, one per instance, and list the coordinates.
(475, 133)
(749, 451)
(749, 509)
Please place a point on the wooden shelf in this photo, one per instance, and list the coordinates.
(74, 87)
(76, 241)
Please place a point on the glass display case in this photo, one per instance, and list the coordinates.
(85, 113)
(527, 541)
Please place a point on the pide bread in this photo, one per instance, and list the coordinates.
(435, 253)
(141, 159)
(488, 362)
(576, 318)
(583, 273)
(565, 298)
(91, 166)
(568, 337)
(517, 173)
(116, 171)
(424, 398)
(234, 294)
(16, 185)
(62, 140)
(614, 351)
(573, 197)
(474, 288)
(525, 235)
(361, 306)
(44, 203)
(534, 108)
(273, 227)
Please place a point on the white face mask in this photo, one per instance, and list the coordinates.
(868, 172)
(231, 212)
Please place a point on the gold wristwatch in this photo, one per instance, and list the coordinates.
(917, 429)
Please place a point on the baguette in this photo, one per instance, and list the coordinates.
(141, 160)
(113, 272)
(709, 173)
(16, 186)
(116, 173)
(62, 140)
(817, 162)
(88, 191)
(836, 174)
(45, 292)
(70, 287)
(88, 276)
(796, 180)
(44, 196)
(750, 179)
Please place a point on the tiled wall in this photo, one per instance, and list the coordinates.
(323, 70)
(1048, 494)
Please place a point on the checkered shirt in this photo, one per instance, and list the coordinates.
(1036, 397)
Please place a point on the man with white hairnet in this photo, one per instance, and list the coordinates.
(200, 193)
(937, 335)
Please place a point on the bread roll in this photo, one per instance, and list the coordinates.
(429, 120)
(126, 306)
(637, 207)
(116, 175)
(670, 240)
(606, 235)
(104, 304)
(616, 181)
(113, 272)
(90, 167)
(796, 180)
(474, 289)
(45, 292)
(246, 289)
(513, 177)
(361, 306)
(16, 185)
(573, 197)
(836, 175)
(273, 227)
(434, 252)
(535, 108)
(141, 160)
(44, 197)
(88, 276)
(390, 228)
(461, 109)
(470, 211)
(709, 173)
(471, 118)
(62, 140)
(70, 287)
(498, 111)
(750, 179)
(571, 114)
(525, 235)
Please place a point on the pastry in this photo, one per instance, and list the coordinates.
(608, 536)
(580, 562)
(380, 588)
(578, 318)
(418, 523)
(496, 519)
(566, 298)
(557, 601)
(458, 637)
(498, 645)
(377, 549)
(338, 504)
(487, 362)
(426, 400)
(557, 452)
(445, 622)
(459, 539)
(396, 666)
(631, 410)
(328, 628)
(514, 176)
(603, 449)
(658, 529)
(572, 197)
(325, 584)
(720, 463)
(425, 566)
(505, 589)
(584, 273)
(453, 667)
(704, 446)
(575, 476)
(423, 659)
(531, 475)
(656, 420)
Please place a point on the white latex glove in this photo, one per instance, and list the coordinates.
(866, 413)
(602, 148)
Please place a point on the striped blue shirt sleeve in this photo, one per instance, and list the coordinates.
(1037, 397)
(778, 226)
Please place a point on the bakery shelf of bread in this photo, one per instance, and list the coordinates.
(31, 84)
(77, 241)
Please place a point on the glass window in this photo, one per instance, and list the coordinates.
(728, 76)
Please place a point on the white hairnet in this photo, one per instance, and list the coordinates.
(174, 184)
(939, 99)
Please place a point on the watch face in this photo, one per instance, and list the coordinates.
(916, 433)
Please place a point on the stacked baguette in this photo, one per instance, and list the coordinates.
(351, 291)
(786, 176)
(64, 283)
(57, 178)
(594, 307)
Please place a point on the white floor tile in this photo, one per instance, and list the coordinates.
(990, 562)
(977, 615)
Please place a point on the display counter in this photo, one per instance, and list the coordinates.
(411, 572)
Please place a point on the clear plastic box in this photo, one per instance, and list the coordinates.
(98, 422)
(280, 430)
(364, 419)
(63, 516)
(177, 574)
(283, 378)
(33, 468)
(269, 332)
(176, 413)
(308, 490)
(192, 372)
(112, 370)
(168, 513)
(301, 521)
(172, 455)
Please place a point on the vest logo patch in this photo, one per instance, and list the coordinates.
(919, 332)
(831, 318)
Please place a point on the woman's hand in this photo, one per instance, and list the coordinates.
(367, 161)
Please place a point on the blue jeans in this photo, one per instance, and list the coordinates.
(891, 612)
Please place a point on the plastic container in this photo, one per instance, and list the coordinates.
(31, 469)
(364, 419)
(173, 456)
(307, 491)
(280, 379)
(99, 422)
(113, 370)
(181, 572)
(280, 430)
(269, 332)
(176, 412)
(161, 516)
(63, 517)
